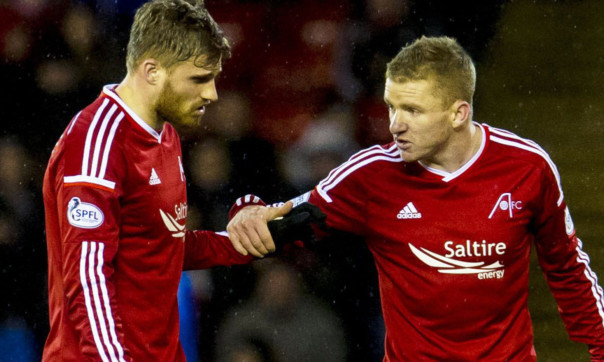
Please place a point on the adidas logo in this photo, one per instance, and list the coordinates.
(154, 179)
(409, 212)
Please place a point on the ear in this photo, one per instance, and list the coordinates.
(462, 112)
(151, 71)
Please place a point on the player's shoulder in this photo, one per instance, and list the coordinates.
(376, 156)
(100, 119)
(91, 148)
(365, 163)
(509, 145)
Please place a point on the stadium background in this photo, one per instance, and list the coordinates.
(300, 94)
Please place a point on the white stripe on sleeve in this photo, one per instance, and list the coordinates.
(98, 306)
(596, 290)
(107, 304)
(90, 312)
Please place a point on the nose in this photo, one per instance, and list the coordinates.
(209, 91)
(397, 121)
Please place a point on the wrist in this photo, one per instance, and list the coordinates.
(244, 201)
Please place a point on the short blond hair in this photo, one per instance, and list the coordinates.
(438, 59)
(173, 31)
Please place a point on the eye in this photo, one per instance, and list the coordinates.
(412, 111)
(202, 79)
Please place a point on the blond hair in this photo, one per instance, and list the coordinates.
(438, 59)
(173, 31)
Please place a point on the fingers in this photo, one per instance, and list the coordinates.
(250, 240)
(266, 238)
(275, 212)
(249, 233)
(236, 243)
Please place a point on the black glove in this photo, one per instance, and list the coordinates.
(297, 225)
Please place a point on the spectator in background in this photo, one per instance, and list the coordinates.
(210, 187)
(73, 64)
(21, 247)
(227, 161)
(291, 324)
(326, 142)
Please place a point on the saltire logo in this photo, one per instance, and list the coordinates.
(175, 228)
(448, 265)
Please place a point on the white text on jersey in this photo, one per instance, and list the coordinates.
(446, 264)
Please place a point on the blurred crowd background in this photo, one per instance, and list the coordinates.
(301, 93)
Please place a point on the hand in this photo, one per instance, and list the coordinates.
(298, 225)
(249, 232)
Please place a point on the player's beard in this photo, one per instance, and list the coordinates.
(171, 108)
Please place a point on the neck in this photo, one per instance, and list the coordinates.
(140, 99)
(459, 151)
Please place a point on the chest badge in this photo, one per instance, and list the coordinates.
(506, 204)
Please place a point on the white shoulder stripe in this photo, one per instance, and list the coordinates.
(375, 150)
(108, 144)
(99, 140)
(87, 145)
(508, 134)
(532, 147)
(97, 150)
(324, 187)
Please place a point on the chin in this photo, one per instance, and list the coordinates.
(408, 157)
(188, 125)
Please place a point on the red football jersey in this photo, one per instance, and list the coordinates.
(452, 249)
(116, 205)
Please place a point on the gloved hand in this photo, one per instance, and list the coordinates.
(297, 225)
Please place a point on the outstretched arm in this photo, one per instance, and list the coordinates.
(248, 229)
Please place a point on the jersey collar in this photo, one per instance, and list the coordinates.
(109, 91)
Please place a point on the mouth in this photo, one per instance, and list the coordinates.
(402, 144)
(201, 110)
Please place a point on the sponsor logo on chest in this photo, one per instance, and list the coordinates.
(172, 223)
(451, 261)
